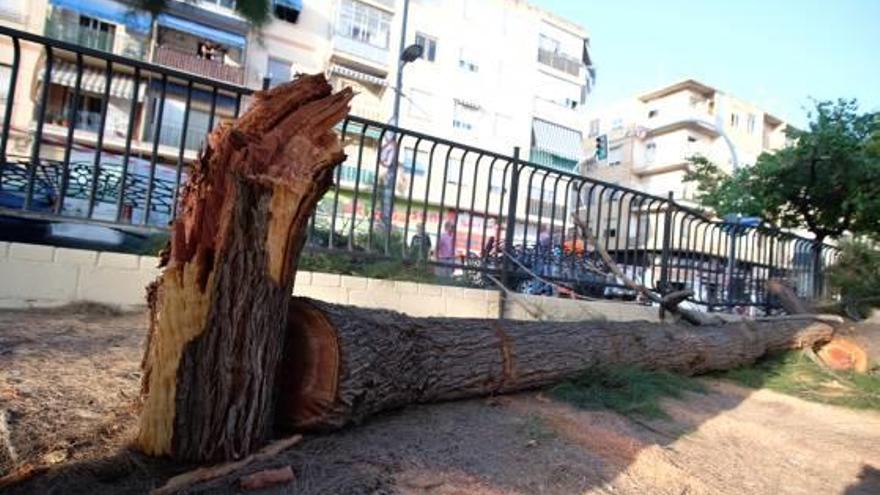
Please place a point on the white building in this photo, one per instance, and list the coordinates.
(651, 136)
(495, 73)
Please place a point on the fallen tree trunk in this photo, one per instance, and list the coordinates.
(343, 363)
(218, 311)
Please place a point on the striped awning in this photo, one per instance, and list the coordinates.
(358, 75)
(557, 140)
(121, 85)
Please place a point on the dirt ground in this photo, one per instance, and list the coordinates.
(69, 378)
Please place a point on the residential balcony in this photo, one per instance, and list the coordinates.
(212, 69)
(118, 43)
(667, 159)
(696, 118)
(561, 62)
(359, 51)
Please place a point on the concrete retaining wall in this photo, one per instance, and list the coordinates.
(40, 276)
(33, 275)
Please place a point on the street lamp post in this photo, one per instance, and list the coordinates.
(409, 54)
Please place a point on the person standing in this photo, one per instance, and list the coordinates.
(446, 250)
(420, 245)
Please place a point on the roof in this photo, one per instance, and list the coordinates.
(691, 84)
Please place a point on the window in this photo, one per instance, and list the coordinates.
(650, 151)
(615, 155)
(652, 113)
(171, 128)
(617, 123)
(5, 76)
(455, 174)
(594, 128)
(548, 44)
(734, 120)
(363, 23)
(278, 71)
(468, 61)
(415, 163)
(95, 33)
(692, 139)
(88, 111)
(464, 117)
(285, 13)
(750, 123)
(429, 46)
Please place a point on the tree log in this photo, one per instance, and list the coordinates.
(343, 364)
(218, 312)
(787, 298)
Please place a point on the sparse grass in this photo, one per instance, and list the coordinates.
(535, 428)
(364, 266)
(628, 391)
(795, 373)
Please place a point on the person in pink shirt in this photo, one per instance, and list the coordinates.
(445, 250)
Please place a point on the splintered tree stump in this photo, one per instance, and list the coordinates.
(343, 364)
(218, 312)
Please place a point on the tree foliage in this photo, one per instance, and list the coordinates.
(827, 180)
(856, 275)
(256, 12)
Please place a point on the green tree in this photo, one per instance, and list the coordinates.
(856, 276)
(255, 12)
(827, 180)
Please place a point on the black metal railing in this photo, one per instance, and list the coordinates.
(465, 212)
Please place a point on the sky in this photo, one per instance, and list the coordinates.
(777, 54)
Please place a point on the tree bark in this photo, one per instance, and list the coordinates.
(343, 364)
(218, 311)
(789, 301)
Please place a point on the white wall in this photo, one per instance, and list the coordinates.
(43, 276)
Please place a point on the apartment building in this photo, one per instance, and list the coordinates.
(650, 137)
(85, 122)
(494, 74)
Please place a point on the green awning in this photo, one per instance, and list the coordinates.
(353, 130)
(560, 141)
(549, 159)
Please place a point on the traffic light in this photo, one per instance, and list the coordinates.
(602, 147)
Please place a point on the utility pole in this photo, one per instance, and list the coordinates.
(391, 176)
(395, 115)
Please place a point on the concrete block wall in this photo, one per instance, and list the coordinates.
(33, 275)
(38, 276)
(414, 299)
(558, 309)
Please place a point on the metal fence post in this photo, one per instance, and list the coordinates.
(771, 274)
(663, 285)
(509, 228)
(818, 281)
